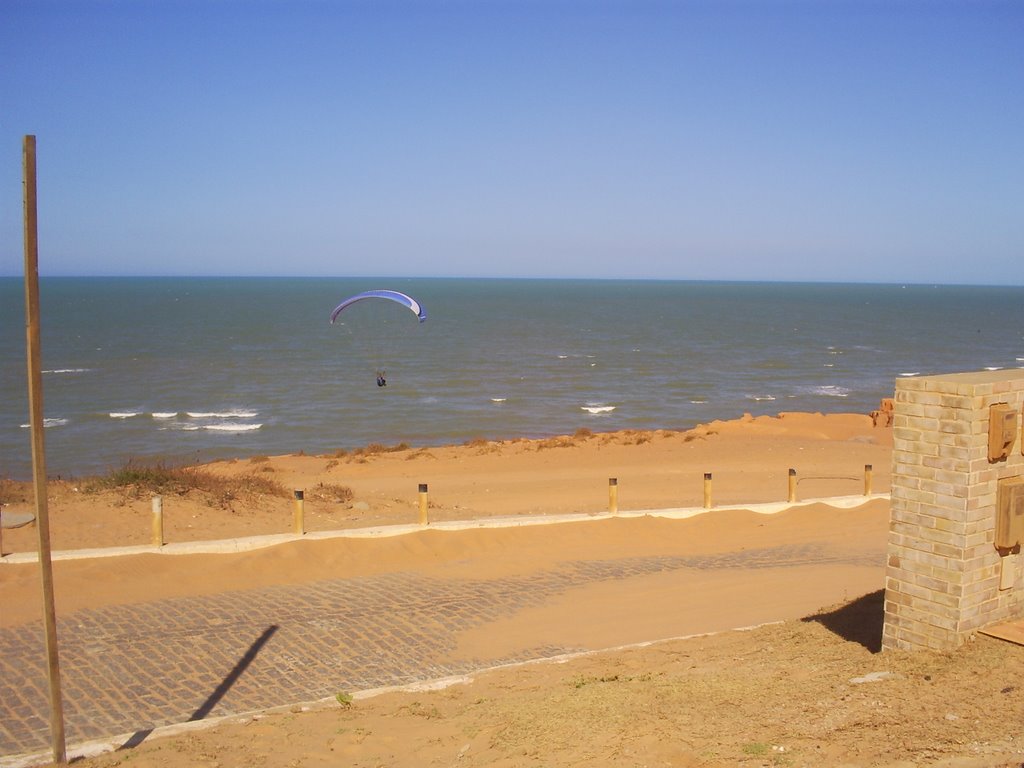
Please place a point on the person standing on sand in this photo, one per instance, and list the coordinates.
(381, 379)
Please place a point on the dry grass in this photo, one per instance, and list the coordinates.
(375, 449)
(12, 492)
(136, 480)
(331, 492)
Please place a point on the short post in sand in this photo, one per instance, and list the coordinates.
(423, 504)
(158, 521)
(299, 519)
(707, 490)
(613, 495)
(792, 485)
(867, 479)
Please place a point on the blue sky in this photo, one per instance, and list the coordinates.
(847, 141)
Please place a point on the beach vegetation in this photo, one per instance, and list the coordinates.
(422, 710)
(259, 459)
(583, 433)
(375, 449)
(137, 480)
(11, 492)
(344, 699)
(333, 492)
(555, 442)
(330, 465)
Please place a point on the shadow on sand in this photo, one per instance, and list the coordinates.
(859, 621)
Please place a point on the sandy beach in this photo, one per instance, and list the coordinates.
(657, 675)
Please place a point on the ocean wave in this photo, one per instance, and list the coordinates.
(164, 414)
(993, 367)
(233, 427)
(47, 423)
(595, 409)
(68, 370)
(498, 399)
(232, 414)
(829, 390)
(761, 398)
(912, 373)
(123, 414)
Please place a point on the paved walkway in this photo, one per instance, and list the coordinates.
(130, 669)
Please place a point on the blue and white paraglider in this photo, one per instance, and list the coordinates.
(406, 301)
(387, 295)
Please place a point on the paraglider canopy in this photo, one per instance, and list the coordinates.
(406, 301)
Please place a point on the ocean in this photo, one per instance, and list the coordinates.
(192, 369)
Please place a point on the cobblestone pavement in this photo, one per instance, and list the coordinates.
(128, 669)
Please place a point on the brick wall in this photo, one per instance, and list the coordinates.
(943, 572)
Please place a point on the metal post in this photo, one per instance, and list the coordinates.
(707, 490)
(423, 504)
(35, 401)
(792, 485)
(299, 519)
(613, 495)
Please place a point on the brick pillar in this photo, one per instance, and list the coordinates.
(943, 572)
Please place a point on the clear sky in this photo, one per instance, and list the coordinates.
(848, 141)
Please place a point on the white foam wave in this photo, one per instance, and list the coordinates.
(699, 401)
(68, 370)
(47, 423)
(232, 414)
(233, 427)
(912, 373)
(123, 414)
(498, 399)
(164, 414)
(761, 398)
(830, 390)
(993, 367)
(597, 408)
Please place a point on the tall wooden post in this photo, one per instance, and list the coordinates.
(867, 479)
(613, 495)
(792, 486)
(35, 403)
(707, 490)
